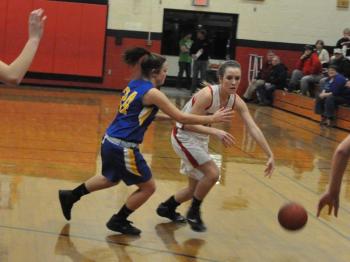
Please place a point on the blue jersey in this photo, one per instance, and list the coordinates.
(133, 117)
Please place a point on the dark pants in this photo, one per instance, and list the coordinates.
(199, 66)
(327, 106)
(265, 94)
(184, 67)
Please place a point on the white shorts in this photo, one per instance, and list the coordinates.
(192, 150)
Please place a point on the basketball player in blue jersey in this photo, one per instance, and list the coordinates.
(339, 162)
(14, 72)
(190, 143)
(121, 158)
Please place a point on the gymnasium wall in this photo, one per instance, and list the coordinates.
(73, 43)
(283, 26)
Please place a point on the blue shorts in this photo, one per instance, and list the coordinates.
(121, 163)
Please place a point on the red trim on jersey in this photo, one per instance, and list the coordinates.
(234, 101)
(190, 158)
(212, 97)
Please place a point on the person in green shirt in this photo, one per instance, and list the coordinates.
(185, 60)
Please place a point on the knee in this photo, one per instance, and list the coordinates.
(150, 188)
(213, 175)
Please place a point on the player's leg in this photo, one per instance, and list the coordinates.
(211, 176)
(168, 208)
(135, 171)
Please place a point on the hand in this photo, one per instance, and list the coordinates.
(226, 138)
(222, 115)
(347, 84)
(270, 167)
(36, 24)
(322, 95)
(331, 200)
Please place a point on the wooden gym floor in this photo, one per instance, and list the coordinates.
(50, 138)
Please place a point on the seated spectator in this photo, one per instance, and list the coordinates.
(308, 72)
(277, 79)
(344, 42)
(334, 93)
(261, 78)
(322, 53)
(342, 64)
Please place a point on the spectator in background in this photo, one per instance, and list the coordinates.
(344, 42)
(334, 93)
(261, 78)
(185, 60)
(200, 55)
(342, 64)
(308, 71)
(322, 53)
(277, 79)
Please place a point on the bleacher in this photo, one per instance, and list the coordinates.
(304, 106)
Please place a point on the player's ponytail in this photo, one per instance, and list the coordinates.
(132, 56)
(152, 64)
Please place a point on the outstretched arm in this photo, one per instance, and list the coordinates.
(14, 73)
(256, 133)
(157, 98)
(339, 163)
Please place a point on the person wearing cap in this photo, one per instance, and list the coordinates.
(342, 63)
(334, 93)
(344, 42)
(200, 54)
(308, 71)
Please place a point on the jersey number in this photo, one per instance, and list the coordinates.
(126, 100)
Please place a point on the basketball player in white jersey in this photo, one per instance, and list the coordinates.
(190, 143)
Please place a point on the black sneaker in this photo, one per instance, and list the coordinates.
(195, 222)
(122, 226)
(67, 200)
(165, 211)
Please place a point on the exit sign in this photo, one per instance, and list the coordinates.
(200, 2)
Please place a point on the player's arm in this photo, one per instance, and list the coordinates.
(339, 163)
(157, 98)
(14, 73)
(256, 133)
(203, 100)
(160, 116)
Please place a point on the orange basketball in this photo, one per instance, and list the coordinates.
(292, 216)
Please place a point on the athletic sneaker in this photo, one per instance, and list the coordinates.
(123, 226)
(165, 211)
(195, 221)
(67, 200)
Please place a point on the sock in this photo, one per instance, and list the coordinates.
(124, 212)
(80, 191)
(196, 203)
(172, 203)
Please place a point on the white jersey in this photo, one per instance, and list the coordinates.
(214, 106)
(192, 147)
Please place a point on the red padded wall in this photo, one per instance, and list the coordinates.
(73, 41)
(3, 17)
(92, 40)
(44, 60)
(67, 41)
(16, 27)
